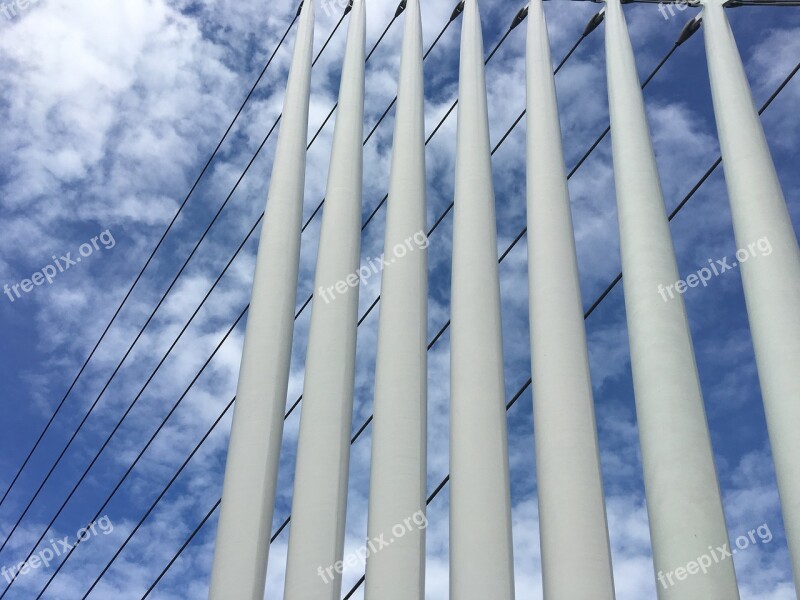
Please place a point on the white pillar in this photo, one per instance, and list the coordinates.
(683, 500)
(771, 283)
(481, 560)
(248, 494)
(569, 482)
(316, 537)
(398, 470)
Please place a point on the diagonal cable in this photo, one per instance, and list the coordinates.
(456, 12)
(135, 341)
(296, 403)
(518, 19)
(514, 398)
(183, 330)
(511, 402)
(602, 297)
(147, 262)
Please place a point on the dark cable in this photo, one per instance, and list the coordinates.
(252, 230)
(314, 213)
(156, 501)
(182, 548)
(691, 27)
(517, 20)
(401, 7)
(617, 279)
(145, 385)
(459, 9)
(452, 205)
(152, 438)
(119, 484)
(330, 37)
(508, 406)
(455, 14)
(571, 50)
(135, 341)
(667, 56)
(141, 452)
(297, 402)
(364, 426)
(694, 190)
(147, 263)
(127, 353)
(130, 407)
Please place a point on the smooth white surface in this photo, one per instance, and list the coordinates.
(683, 499)
(771, 283)
(481, 561)
(248, 494)
(316, 534)
(399, 430)
(572, 516)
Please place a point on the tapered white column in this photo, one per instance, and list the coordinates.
(398, 471)
(481, 561)
(316, 537)
(683, 500)
(771, 283)
(569, 483)
(248, 495)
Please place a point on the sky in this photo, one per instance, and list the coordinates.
(109, 112)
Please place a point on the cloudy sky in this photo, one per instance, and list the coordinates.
(109, 112)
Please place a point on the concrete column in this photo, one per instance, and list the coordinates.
(683, 498)
(569, 482)
(248, 495)
(771, 283)
(316, 536)
(481, 561)
(398, 470)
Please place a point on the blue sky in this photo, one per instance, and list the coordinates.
(109, 112)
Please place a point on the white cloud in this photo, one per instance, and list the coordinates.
(109, 112)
